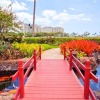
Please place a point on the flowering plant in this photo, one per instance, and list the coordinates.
(85, 46)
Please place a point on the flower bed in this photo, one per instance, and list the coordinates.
(80, 46)
(84, 50)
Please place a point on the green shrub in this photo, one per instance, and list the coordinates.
(28, 35)
(96, 39)
(38, 40)
(11, 37)
(7, 52)
(27, 49)
(47, 40)
(2, 47)
(56, 40)
(42, 34)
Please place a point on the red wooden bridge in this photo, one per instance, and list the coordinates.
(53, 79)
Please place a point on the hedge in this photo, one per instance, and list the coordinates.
(56, 40)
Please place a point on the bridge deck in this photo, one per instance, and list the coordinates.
(53, 81)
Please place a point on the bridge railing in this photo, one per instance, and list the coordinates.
(31, 63)
(74, 62)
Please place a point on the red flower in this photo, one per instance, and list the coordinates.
(81, 45)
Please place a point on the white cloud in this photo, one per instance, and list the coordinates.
(64, 16)
(49, 13)
(81, 17)
(48, 18)
(52, 18)
(5, 3)
(24, 17)
(19, 6)
(43, 21)
(16, 6)
(28, 18)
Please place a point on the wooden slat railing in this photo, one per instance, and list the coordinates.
(88, 74)
(31, 63)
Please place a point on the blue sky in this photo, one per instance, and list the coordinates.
(73, 15)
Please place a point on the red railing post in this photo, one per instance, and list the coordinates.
(87, 80)
(40, 52)
(34, 59)
(70, 59)
(21, 78)
(64, 53)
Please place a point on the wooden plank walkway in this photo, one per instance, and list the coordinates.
(53, 81)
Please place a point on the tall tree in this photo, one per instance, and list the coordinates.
(8, 21)
(74, 34)
(86, 34)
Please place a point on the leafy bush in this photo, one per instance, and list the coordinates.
(47, 40)
(28, 35)
(42, 34)
(19, 50)
(27, 49)
(56, 40)
(95, 39)
(11, 37)
(7, 52)
(2, 47)
(85, 46)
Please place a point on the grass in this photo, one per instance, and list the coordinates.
(47, 46)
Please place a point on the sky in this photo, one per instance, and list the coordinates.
(76, 16)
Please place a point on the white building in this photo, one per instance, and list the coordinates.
(27, 28)
(52, 29)
(58, 29)
(46, 29)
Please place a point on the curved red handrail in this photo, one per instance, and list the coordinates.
(21, 75)
(73, 63)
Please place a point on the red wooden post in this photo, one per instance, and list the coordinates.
(70, 59)
(40, 52)
(87, 80)
(21, 78)
(34, 59)
(64, 53)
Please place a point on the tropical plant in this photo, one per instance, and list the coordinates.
(27, 49)
(8, 52)
(81, 54)
(85, 46)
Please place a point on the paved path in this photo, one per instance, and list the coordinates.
(52, 54)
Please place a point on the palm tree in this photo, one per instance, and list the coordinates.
(34, 10)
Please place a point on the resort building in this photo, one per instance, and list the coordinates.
(27, 28)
